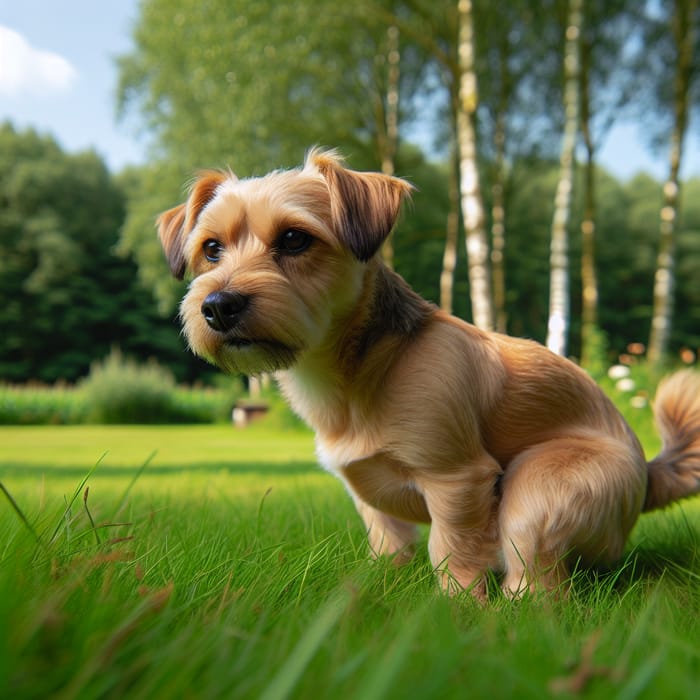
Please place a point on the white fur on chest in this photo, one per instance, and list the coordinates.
(326, 408)
(334, 457)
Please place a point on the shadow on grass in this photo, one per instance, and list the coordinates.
(292, 468)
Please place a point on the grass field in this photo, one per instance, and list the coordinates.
(205, 562)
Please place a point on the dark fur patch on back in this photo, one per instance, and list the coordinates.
(396, 311)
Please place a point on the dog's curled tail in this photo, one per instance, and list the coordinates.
(675, 472)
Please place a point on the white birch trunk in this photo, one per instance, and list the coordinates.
(391, 122)
(558, 323)
(449, 258)
(471, 200)
(498, 225)
(589, 280)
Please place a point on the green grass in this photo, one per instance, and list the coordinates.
(231, 566)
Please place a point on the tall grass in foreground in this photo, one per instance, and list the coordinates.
(232, 567)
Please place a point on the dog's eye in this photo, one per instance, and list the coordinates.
(212, 250)
(293, 241)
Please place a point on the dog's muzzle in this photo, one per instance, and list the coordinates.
(222, 310)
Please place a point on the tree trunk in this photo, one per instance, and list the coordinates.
(558, 324)
(390, 139)
(589, 281)
(498, 227)
(498, 222)
(472, 204)
(449, 259)
(662, 315)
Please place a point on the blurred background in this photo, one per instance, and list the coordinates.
(556, 141)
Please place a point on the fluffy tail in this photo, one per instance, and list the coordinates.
(675, 473)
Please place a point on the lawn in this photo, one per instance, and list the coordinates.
(208, 562)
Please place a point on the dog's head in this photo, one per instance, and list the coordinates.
(276, 260)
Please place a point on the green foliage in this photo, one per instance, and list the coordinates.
(242, 571)
(119, 390)
(596, 359)
(122, 391)
(71, 405)
(81, 269)
(65, 297)
(40, 405)
(296, 54)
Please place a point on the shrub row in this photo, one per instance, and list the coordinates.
(116, 391)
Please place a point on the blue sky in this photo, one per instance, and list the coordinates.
(58, 74)
(77, 107)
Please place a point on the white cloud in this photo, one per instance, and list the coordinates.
(28, 70)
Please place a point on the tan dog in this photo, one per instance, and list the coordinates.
(513, 454)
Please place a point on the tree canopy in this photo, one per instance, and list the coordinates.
(65, 296)
(251, 85)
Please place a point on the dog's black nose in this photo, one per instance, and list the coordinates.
(221, 310)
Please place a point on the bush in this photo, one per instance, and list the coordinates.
(37, 404)
(118, 390)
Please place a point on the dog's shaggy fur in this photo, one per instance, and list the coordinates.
(512, 453)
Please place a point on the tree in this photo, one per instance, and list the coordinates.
(65, 297)
(266, 80)
(449, 256)
(445, 36)
(607, 84)
(472, 203)
(558, 323)
(388, 120)
(506, 58)
(684, 21)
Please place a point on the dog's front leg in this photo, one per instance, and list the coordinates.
(463, 542)
(389, 504)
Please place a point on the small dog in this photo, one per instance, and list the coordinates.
(512, 453)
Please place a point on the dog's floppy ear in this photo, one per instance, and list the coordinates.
(364, 206)
(171, 231)
(176, 223)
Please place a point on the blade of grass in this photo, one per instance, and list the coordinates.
(89, 514)
(22, 516)
(642, 677)
(291, 670)
(76, 493)
(379, 681)
(260, 508)
(136, 476)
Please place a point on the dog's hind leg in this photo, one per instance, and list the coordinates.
(571, 497)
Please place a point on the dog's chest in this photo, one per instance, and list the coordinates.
(376, 479)
(335, 456)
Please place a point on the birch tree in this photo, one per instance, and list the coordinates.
(501, 82)
(388, 120)
(558, 322)
(449, 258)
(506, 59)
(470, 189)
(607, 84)
(589, 281)
(315, 82)
(683, 30)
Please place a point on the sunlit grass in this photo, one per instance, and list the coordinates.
(230, 565)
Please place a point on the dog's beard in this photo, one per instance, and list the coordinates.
(245, 354)
(253, 357)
